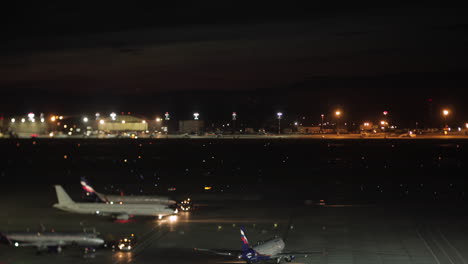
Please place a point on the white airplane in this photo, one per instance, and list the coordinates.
(53, 241)
(123, 199)
(119, 211)
(268, 250)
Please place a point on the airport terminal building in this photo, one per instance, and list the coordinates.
(191, 126)
(121, 123)
(26, 126)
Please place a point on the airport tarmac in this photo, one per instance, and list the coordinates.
(402, 136)
(338, 233)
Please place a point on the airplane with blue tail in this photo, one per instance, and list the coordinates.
(266, 251)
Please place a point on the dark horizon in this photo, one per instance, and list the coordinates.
(222, 57)
(382, 93)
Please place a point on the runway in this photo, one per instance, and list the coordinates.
(371, 234)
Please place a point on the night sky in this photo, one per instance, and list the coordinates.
(227, 56)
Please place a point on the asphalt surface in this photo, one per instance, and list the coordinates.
(336, 233)
(455, 135)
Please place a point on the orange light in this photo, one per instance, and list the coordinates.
(208, 187)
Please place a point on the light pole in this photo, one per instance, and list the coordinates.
(158, 125)
(279, 114)
(195, 117)
(385, 113)
(321, 126)
(234, 118)
(337, 114)
(167, 117)
(445, 113)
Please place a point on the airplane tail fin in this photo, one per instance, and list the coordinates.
(62, 196)
(4, 238)
(86, 186)
(90, 192)
(245, 242)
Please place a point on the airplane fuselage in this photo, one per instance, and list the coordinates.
(138, 199)
(265, 251)
(45, 239)
(115, 209)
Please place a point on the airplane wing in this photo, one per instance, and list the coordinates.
(221, 252)
(301, 254)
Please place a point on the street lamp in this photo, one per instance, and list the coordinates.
(31, 117)
(321, 126)
(445, 113)
(85, 119)
(196, 117)
(385, 113)
(384, 124)
(279, 115)
(337, 114)
(234, 118)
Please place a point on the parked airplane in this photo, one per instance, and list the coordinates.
(119, 211)
(105, 198)
(52, 241)
(268, 250)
